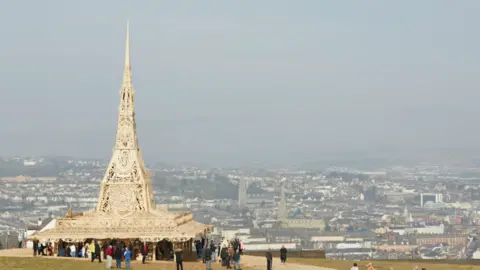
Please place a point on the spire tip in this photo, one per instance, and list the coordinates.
(127, 47)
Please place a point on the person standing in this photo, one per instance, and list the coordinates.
(242, 247)
(73, 251)
(40, 249)
(118, 255)
(35, 248)
(208, 258)
(50, 249)
(179, 259)
(354, 267)
(109, 254)
(236, 260)
(269, 260)
(203, 244)
(213, 249)
(283, 255)
(98, 252)
(144, 252)
(224, 255)
(92, 251)
(230, 257)
(128, 257)
(104, 247)
(198, 248)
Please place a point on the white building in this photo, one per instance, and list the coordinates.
(430, 197)
(28, 163)
(48, 223)
(434, 229)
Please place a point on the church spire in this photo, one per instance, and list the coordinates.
(282, 207)
(127, 75)
(126, 185)
(127, 106)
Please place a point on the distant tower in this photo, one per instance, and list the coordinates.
(242, 192)
(405, 212)
(282, 207)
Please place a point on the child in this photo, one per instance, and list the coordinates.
(236, 260)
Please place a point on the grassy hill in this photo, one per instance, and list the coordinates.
(385, 265)
(12, 263)
(29, 263)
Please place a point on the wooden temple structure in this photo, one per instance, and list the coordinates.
(126, 209)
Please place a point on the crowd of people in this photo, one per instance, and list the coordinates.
(113, 250)
(227, 252)
(42, 249)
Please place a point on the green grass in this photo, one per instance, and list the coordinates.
(42, 263)
(384, 265)
(39, 263)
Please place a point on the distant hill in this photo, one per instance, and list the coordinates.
(214, 187)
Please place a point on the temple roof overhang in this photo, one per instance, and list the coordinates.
(152, 226)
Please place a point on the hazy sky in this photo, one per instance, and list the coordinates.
(231, 80)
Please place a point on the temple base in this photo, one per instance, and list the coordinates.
(158, 251)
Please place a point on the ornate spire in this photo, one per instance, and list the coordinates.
(127, 74)
(126, 185)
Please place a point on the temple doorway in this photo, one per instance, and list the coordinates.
(164, 250)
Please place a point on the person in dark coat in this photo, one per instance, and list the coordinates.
(179, 259)
(219, 249)
(236, 260)
(119, 255)
(203, 243)
(104, 248)
(269, 260)
(208, 258)
(224, 256)
(283, 255)
(236, 244)
(35, 248)
(213, 249)
(198, 248)
(40, 250)
(98, 252)
(144, 252)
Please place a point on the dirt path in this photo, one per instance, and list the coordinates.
(260, 264)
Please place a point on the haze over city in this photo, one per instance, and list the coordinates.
(222, 81)
(220, 133)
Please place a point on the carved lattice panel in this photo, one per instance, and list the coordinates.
(125, 122)
(104, 203)
(123, 197)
